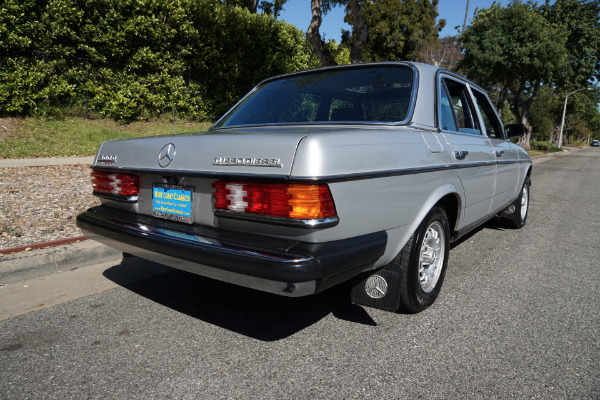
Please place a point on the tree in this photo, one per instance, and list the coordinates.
(318, 9)
(581, 25)
(579, 19)
(250, 5)
(359, 31)
(401, 30)
(446, 53)
(272, 7)
(514, 51)
(381, 30)
(314, 36)
(582, 117)
(268, 7)
(545, 114)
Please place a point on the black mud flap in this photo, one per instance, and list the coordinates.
(379, 289)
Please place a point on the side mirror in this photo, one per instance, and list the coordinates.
(514, 130)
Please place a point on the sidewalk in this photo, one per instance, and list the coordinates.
(40, 162)
(50, 260)
(547, 156)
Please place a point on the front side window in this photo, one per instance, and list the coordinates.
(363, 94)
(490, 119)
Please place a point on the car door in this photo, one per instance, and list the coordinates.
(506, 154)
(473, 153)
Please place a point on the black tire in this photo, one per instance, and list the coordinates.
(518, 218)
(417, 292)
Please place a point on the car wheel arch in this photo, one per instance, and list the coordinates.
(451, 204)
(446, 196)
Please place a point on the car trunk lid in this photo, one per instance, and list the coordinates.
(244, 152)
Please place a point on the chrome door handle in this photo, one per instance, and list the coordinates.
(499, 153)
(460, 154)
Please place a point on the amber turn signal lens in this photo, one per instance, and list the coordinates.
(295, 200)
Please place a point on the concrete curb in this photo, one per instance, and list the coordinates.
(36, 246)
(546, 157)
(37, 263)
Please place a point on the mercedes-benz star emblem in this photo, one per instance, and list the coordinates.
(376, 287)
(166, 155)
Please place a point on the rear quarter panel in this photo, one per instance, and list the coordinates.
(384, 178)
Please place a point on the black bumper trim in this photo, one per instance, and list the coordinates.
(324, 263)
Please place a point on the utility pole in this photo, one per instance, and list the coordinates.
(560, 136)
(466, 16)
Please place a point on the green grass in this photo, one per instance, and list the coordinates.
(535, 153)
(70, 137)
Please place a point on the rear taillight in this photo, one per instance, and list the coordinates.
(125, 186)
(286, 200)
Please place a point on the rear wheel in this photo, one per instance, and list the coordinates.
(516, 215)
(424, 260)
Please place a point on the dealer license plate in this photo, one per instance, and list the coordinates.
(172, 202)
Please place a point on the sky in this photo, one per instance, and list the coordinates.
(297, 12)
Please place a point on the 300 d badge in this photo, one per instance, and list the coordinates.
(248, 161)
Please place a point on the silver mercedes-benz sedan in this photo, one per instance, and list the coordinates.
(363, 173)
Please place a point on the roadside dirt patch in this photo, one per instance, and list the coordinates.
(7, 127)
(40, 204)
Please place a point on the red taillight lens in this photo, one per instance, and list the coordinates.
(126, 185)
(294, 200)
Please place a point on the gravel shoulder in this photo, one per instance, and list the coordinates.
(40, 204)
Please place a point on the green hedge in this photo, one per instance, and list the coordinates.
(543, 146)
(133, 59)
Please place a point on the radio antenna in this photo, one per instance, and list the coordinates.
(173, 107)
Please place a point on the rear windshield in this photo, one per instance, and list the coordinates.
(365, 94)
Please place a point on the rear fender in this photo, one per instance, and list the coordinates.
(397, 237)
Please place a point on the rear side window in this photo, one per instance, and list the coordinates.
(457, 97)
(448, 119)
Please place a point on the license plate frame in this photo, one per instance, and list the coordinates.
(173, 202)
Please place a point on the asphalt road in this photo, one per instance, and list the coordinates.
(518, 317)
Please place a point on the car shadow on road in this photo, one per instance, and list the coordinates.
(495, 223)
(252, 313)
(256, 314)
